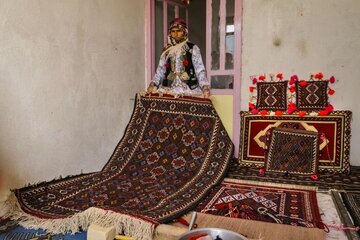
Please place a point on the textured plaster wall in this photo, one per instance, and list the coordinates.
(68, 72)
(302, 37)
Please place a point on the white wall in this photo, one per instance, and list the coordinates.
(68, 70)
(314, 36)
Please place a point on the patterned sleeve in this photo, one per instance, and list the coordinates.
(160, 72)
(199, 67)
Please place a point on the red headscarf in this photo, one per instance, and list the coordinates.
(180, 24)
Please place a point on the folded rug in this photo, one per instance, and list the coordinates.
(174, 150)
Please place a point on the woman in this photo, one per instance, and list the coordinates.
(181, 69)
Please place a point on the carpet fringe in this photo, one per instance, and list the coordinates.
(4, 210)
(282, 185)
(125, 224)
(4, 207)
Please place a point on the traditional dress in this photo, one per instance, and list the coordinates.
(181, 69)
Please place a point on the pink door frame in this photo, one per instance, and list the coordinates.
(236, 72)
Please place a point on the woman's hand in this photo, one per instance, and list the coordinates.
(151, 88)
(206, 92)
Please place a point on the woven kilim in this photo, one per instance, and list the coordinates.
(292, 151)
(313, 96)
(271, 95)
(334, 148)
(348, 206)
(263, 203)
(351, 201)
(174, 150)
(325, 181)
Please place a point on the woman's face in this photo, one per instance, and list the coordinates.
(177, 34)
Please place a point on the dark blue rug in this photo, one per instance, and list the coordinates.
(10, 230)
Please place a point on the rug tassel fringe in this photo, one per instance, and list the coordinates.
(5, 207)
(137, 228)
(4, 210)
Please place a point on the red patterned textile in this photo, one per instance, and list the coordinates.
(174, 150)
(263, 203)
(334, 147)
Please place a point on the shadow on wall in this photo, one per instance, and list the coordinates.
(9, 178)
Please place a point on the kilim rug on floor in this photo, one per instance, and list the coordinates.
(348, 206)
(174, 150)
(325, 181)
(236, 199)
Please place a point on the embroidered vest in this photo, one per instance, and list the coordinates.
(187, 72)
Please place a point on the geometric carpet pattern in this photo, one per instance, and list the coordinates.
(348, 206)
(271, 96)
(325, 181)
(313, 96)
(334, 131)
(351, 201)
(263, 203)
(174, 150)
(292, 151)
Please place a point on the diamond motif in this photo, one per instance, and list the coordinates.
(269, 204)
(197, 153)
(158, 170)
(251, 194)
(188, 138)
(239, 196)
(153, 158)
(163, 134)
(259, 199)
(228, 199)
(312, 98)
(312, 88)
(178, 162)
(270, 100)
(271, 90)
